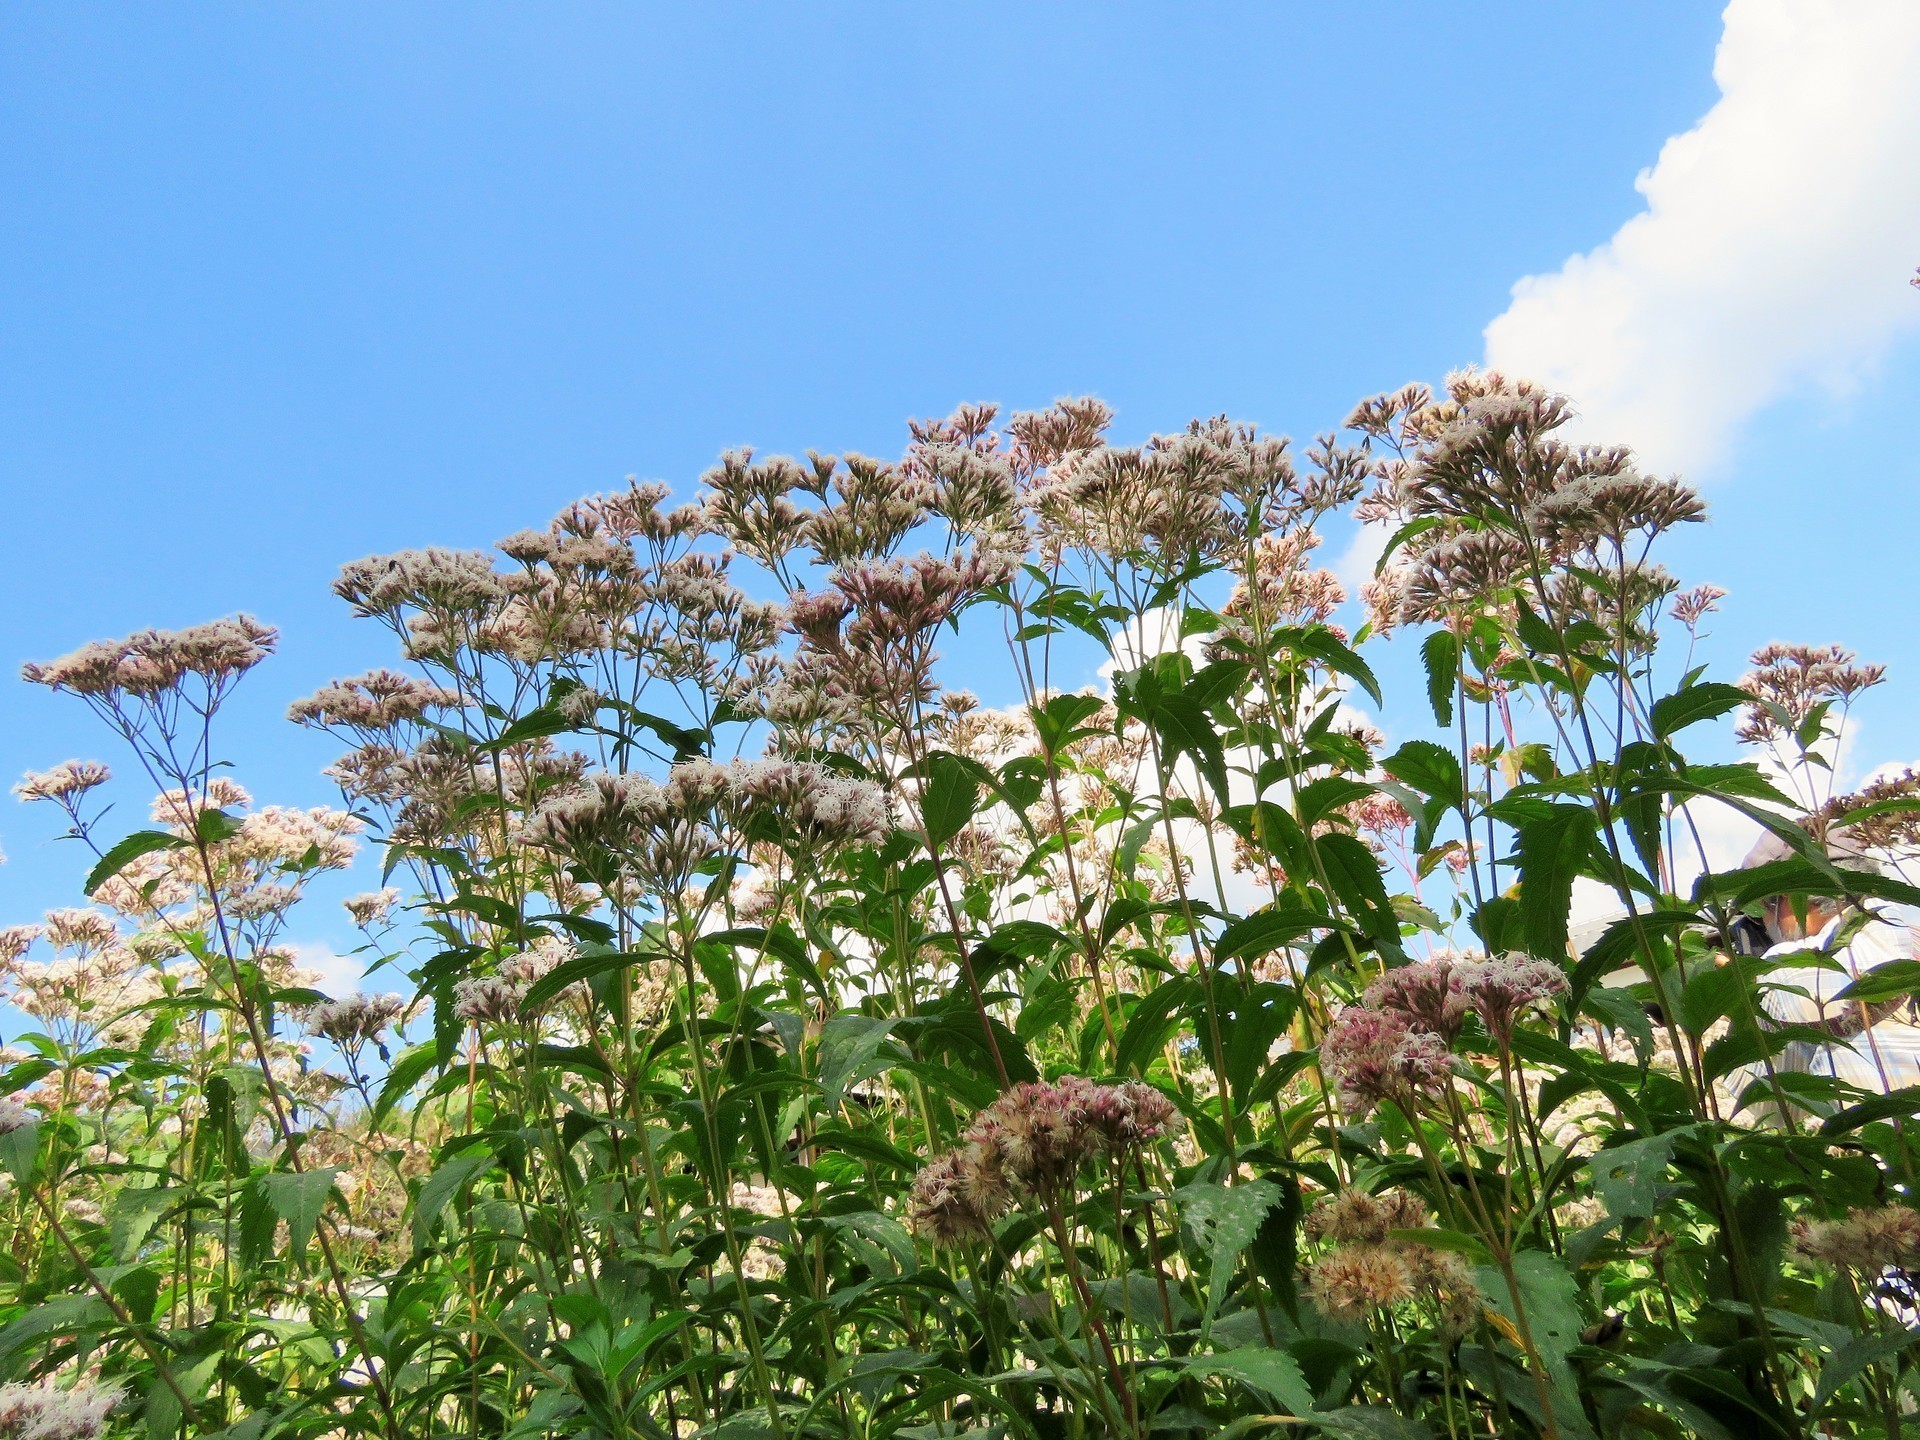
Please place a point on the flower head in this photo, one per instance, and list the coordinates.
(64, 783)
(1867, 1241)
(44, 1411)
(1374, 1055)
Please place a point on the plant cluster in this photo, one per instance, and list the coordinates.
(785, 1043)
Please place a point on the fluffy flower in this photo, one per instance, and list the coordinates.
(1502, 990)
(1353, 1282)
(353, 1020)
(1353, 1216)
(146, 664)
(64, 783)
(1428, 994)
(957, 1196)
(375, 907)
(44, 1411)
(1867, 1241)
(1374, 1055)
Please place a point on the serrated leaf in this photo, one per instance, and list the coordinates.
(141, 842)
(1440, 653)
(299, 1198)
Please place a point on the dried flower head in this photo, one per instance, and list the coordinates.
(1355, 1217)
(1354, 1281)
(1867, 1241)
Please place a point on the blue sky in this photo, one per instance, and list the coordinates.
(284, 285)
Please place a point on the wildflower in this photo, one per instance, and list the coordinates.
(1428, 994)
(1503, 989)
(1448, 1281)
(375, 907)
(16, 940)
(1690, 607)
(81, 930)
(44, 1411)
(64, 783)
(14, 1116)
(1128, 1115)
(150, 662)
(1867, 1241)
(377, 700)
(957, 1196)
(501, 997)
(1374, 1055)
(354, 1020)
(1352, 1282)
(1789, 682)
(811, 804)
(1353, 1216)
(451, 582)
(1039, 1132)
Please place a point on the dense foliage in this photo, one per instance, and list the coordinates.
(792, 1045)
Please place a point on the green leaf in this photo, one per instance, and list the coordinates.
(949, 794)
(1673, 713)
(440, 1188)
(1440, 653)
(141, 842)
(19, 1150)
(1316, 801)
(1553, 852)
(132, 1214)
(848, 1043)
(570, 972)
(1149, 1024)
(1373, 1422)
(1265, 931)
(1225, 1218)
(1273, 1372)
(1628, 1176)
(1186, 729)
(1881, 1107)
(1354, 872)
(1854, 1357)
(299, 1199)
(1431, 769)
(407, 1070)
(1326, 647)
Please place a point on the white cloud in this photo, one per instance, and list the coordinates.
(1354, 565)
(1774, 251)
(339, 974)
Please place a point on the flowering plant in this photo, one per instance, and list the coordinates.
(794, 1045)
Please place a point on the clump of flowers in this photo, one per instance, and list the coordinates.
(1373, 1054)
(1375, 1265)
(1355, 1217)
(1032, 1141)
(45, 1411)
(1430, 995)
(1504, 989)
(354, 1020)
(1867, 1241)
(500, 998)
(65, 783)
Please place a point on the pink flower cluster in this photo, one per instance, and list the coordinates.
(1032, 1141)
